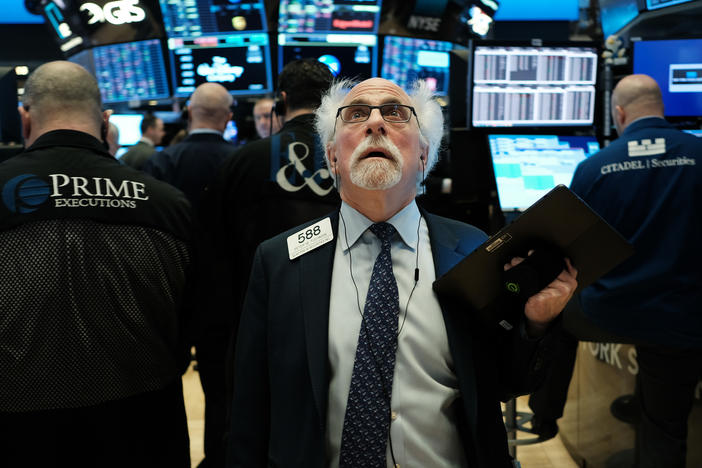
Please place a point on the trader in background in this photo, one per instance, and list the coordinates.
(91, 322)
(648, 185)
(268, 186)
(192, 164)
(327, 375)
(151, 135)
(266, 123)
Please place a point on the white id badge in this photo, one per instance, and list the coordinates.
(310, 238)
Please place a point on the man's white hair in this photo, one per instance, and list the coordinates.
(429, 116)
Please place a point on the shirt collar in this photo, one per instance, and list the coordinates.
(354, 224)
(205, 130)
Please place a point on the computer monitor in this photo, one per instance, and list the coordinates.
(239, 62)
(406, 60)
(346, 55)
(188, 19)
(10, 122)
(533, 85)
(129, 126)
(615, 14)
(676, 65)
(656, 4)
(334, 16)
(127, 72)
(528, 166)
(537, 10)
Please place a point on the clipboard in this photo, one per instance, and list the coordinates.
(559, 218)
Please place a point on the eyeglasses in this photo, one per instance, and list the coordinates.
(393, 113)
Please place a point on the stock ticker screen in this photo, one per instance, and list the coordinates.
(307, 16)
(194, 18)
(406, 60)
(127, 72)
(346, 55)
(530, 86)
(240, 63)
(526, 167)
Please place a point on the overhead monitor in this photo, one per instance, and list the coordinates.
(79, 24)
(129, 126)
(339, 16)
(406, 60)
(14, 12)
(127, 72)
(533, 85)
(526, 167)
(676, 65)
(615, 14)
(346, 55)
(239, 62)
(537, 10)
(656, 4)
(190, 18)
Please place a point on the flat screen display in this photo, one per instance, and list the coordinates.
(129, 126)
(537, 10)
(194, 18)
(655, 4)
(676, 65)
(533, 86)
(406, 60)
(14, 12)
(346, 55)
(615, 14)
(526, 167)
(240, 63)
(340, 16)
(127, 72)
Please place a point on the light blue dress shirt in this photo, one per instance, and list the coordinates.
(425, 387)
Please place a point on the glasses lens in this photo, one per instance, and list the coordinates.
(355, 113)
(395, 112)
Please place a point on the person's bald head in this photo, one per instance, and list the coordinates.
(634, 97)
(210, 106)
(61, 95)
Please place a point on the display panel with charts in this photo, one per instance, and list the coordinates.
(526, 167)
(189, 18)
(533, 85)
(239, 62)
(407, 59)
(347, 55)
(333, 16)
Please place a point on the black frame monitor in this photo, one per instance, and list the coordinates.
(127, 72)
(239, 62)
(346, 55)
(529, 85)
(334, 16)
(406, 60)
(676, 65)
(526, 167)
(194, 18)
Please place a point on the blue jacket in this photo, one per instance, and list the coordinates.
(648, 185)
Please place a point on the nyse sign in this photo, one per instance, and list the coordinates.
(116, 12)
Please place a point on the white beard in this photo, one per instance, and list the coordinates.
(376, 173)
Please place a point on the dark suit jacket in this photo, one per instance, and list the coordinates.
(282, 369)
(137, 155)
(191, 164)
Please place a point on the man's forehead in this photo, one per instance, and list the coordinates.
(377, 89)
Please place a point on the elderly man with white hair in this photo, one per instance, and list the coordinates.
(345, 356)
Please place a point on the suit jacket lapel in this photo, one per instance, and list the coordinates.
(315, 287)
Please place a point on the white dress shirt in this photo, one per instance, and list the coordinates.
(425, 387)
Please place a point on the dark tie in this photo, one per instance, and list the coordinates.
(367, 420)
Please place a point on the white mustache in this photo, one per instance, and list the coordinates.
(378, 142)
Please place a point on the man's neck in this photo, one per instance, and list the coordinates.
(378, 205)
(291, 114)
(147, 140)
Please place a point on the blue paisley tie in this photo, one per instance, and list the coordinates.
(367, 419)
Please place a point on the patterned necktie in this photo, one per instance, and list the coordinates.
(367, 420)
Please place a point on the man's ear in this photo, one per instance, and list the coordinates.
(331, 155)
(26, 122)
